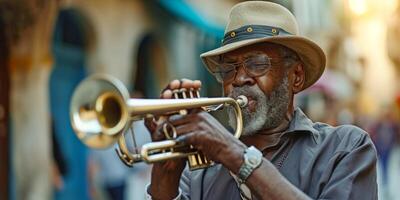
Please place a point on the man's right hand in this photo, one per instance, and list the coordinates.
(166, 175)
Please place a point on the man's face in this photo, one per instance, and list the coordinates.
(268, 94)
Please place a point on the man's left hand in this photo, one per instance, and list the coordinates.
(210, 137)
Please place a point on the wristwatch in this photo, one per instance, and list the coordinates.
(252, 160)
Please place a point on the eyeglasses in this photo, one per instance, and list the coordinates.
(254, 66)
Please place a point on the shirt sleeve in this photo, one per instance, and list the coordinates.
(149, 197)
(184, 184)
(184, 187)
(354, 174)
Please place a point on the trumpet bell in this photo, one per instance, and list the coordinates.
(98, 111)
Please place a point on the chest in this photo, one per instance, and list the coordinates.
(304, 168)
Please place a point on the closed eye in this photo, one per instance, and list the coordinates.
(225, 71)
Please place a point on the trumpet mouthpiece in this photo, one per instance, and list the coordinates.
(242, 101)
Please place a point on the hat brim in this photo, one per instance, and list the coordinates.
(311, 54)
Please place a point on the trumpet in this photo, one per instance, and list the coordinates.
(101, 111)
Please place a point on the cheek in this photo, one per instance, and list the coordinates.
(227, 89)
(270, 81)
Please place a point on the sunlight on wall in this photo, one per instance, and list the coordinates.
(369, 24)
(358, 7)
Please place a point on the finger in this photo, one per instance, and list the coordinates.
(172, 85)
(192, 138)
(158, 134)
(155, 127)
(186, 128)
(169, 85)
(197, 84)
(186, 83)
(150, 124)
(195, 115)
(195, 111)
(175, 84)
(167, 94)
(183, 139)
(190, 118)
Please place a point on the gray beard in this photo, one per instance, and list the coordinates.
(270, 110)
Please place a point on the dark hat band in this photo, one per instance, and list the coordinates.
(252, 32)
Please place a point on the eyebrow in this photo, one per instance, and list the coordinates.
(247, 55)
(229, 59)
(254, 53)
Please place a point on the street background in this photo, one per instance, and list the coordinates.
(48, 47)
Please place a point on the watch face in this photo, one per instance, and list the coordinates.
(253, 160)
(253, 156)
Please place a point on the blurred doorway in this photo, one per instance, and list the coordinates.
(151, 67)
(4, 106)
(70, 44)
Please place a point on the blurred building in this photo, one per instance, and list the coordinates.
(53, 46)
(50, 46)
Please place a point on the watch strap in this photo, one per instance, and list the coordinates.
(252, 160)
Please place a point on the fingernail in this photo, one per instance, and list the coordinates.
(175, 117)
(197, 84)
(167, 94)
(181, 139)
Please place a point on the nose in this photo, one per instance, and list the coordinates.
(242, 78)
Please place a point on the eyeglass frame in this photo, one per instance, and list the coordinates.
(245, 67)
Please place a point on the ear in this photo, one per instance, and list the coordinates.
(298, 77)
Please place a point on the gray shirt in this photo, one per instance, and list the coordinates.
(324, 162)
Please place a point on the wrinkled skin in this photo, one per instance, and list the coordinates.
(203, 131)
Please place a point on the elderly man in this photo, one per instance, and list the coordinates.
(282, 154)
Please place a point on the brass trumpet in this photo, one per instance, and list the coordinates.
(101, 112)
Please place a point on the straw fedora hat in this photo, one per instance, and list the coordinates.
(254, 22)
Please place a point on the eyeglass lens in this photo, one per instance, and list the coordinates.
(254, 66)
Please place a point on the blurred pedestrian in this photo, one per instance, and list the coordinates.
(384, 135)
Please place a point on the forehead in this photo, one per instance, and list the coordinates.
(270, 49)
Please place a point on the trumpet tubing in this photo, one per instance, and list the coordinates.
(101, 111)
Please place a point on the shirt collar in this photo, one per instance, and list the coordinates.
(301, 124)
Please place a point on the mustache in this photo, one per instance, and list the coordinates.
(249, 91)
